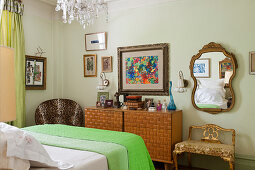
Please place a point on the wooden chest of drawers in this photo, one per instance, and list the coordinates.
(159, 130)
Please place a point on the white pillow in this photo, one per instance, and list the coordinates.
(210, 96)
(22, 145)
(207, 83)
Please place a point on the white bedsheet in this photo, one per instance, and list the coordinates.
(82, 160)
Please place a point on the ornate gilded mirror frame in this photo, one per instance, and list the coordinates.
(213, 47)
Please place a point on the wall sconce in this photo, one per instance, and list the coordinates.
(103, 83)
(182, 84)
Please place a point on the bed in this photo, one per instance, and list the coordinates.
(79, 159)
(211, 94)
(79, 148)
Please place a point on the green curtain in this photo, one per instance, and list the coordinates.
(12, 35)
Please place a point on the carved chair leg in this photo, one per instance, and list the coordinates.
(189, 159)
(175, 160)
(167, 166)
(231, 165)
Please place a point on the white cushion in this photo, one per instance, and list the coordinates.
(212, 84)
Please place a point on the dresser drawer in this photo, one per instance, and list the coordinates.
(144, 119)
(104, 119)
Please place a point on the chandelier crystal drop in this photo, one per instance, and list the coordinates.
(84, 11)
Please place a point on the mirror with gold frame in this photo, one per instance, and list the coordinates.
(213, 70)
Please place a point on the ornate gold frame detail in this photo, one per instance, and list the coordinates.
(213, 47)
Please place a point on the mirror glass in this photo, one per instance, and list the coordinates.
(213, 71)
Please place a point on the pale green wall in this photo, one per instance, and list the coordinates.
(186, 25)
(41, 30)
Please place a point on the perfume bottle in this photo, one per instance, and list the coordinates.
(164, 106)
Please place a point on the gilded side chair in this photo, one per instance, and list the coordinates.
(208, 145)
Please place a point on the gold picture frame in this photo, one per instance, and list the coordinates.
(90, 65)
(106, 63)
(252, 63)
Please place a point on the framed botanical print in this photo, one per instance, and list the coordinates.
(144, 69)
(90, 65)
(95, 41)
(106, 64)
(201, 68)
(252, 63)
(35, 76)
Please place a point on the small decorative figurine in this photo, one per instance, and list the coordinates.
(98, 104)
(159, 105)
(164, 106)
(117, 103)
(148, 104)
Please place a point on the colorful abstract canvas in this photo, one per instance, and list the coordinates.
(142, 70)
(225, 67)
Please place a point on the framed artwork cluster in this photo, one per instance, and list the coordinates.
(35, 75)
(96, 42)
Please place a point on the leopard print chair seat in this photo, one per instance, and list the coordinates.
(208, 145)
(59, 111)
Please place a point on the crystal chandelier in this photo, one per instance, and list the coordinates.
(84, 11)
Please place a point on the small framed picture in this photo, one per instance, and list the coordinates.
(108, 103)
(106, 64)
(90, 65)
(102, 97)
(201, 68)
(225, 66)
(35, 76)
(95, 41)
(252, 63)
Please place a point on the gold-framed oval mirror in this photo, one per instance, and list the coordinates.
(213, 70)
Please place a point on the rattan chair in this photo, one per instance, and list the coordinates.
(208, 145)
(59, 111)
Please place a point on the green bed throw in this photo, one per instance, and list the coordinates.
(208, 106)
(138, 156)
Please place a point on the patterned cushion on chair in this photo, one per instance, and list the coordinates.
(206, 148)
(59, 111)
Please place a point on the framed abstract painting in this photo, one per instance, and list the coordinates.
(144, 69)
(202, 68)
(35, 76)
(90, 65)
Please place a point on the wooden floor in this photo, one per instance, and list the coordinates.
(160, 166)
